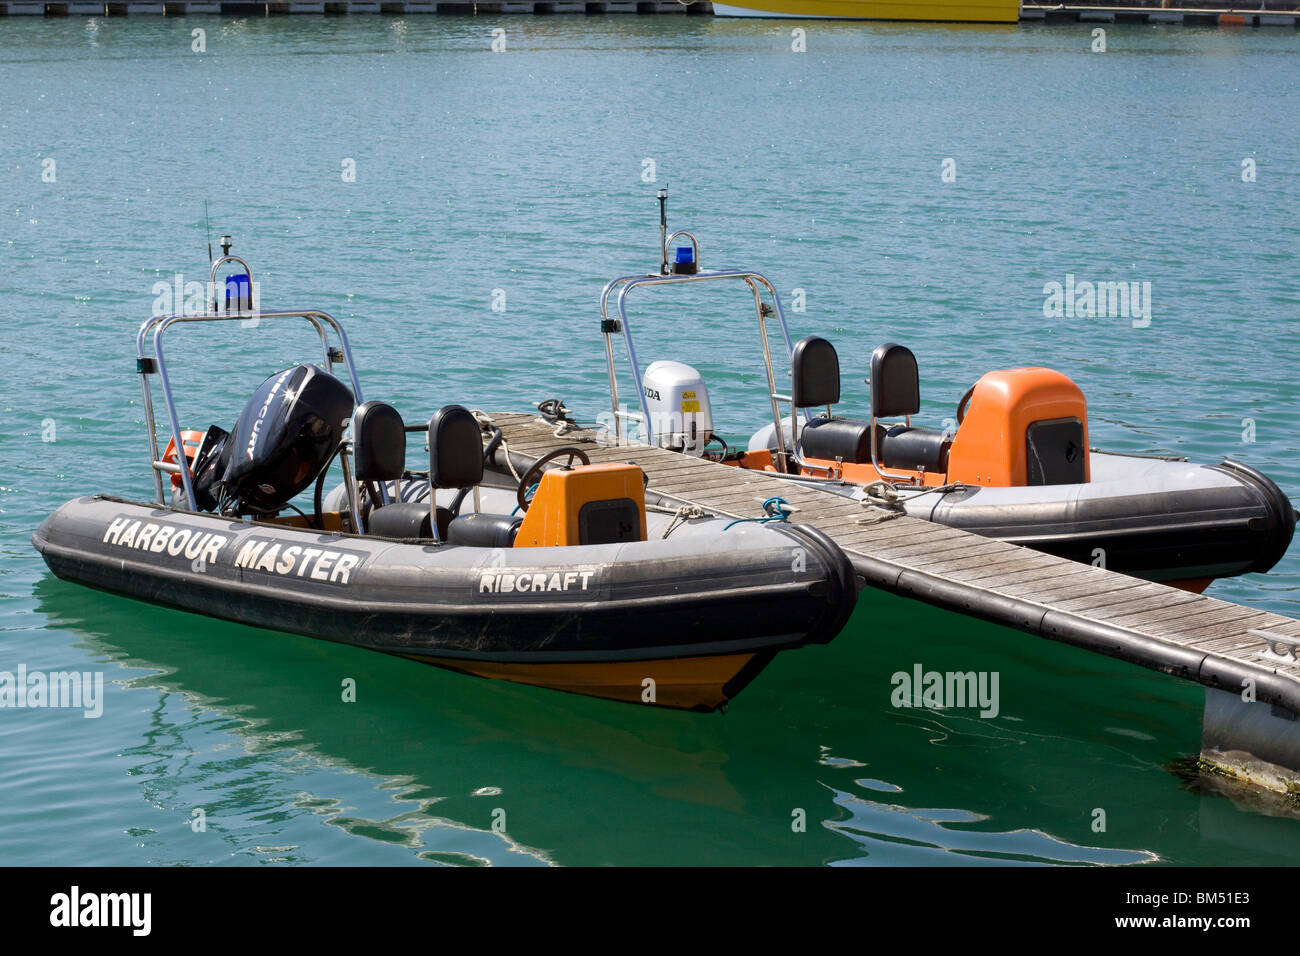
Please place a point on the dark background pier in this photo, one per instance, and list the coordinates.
(1271, 13)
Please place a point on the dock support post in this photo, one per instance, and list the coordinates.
(1251, 741)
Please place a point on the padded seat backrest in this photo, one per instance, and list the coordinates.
(913, 448)
(379, 442)
(455, 448)
(481, 530)
(895, 382)
(406, 520)
(814, 373)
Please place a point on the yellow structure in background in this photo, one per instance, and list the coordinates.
(946, 11)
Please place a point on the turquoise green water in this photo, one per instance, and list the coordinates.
(522, 172)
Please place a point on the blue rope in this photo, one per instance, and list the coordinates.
(774, 509)
(532, 490)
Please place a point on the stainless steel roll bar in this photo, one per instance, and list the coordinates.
(151, 363)
(756, 282)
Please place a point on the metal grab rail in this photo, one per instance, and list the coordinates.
(757, 282)
(212, 279)
(695, 251)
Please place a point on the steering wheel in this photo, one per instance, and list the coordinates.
(961, 405)
(535, 473)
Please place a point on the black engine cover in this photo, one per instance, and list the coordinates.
(285, 436)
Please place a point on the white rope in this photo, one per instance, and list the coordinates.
(485, 422)
(680, 516)
(884, 496)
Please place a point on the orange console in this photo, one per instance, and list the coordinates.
(1024, 426)
(589, 504)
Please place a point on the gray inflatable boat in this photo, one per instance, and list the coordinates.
(1014, 462)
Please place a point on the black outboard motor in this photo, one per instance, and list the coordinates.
(285, 436)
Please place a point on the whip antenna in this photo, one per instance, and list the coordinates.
(663, 231)
(207, 223)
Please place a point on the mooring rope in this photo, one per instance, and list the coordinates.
(884, 496)
(485, 422)
(681, 516)
(552, 411)
(530, 490)
(775, 508)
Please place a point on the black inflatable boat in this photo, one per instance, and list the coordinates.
(581, 589)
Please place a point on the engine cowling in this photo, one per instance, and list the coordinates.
(288, 431)
(678, 402)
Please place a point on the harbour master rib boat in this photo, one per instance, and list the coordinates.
(1018, 466)
(584, 589)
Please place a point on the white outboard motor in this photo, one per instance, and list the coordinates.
(679, 407)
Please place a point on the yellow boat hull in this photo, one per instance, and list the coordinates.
(941, 11)
(691, 683)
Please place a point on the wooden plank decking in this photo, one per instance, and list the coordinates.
(1198, 638)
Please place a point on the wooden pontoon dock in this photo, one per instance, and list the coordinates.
(1237, 652)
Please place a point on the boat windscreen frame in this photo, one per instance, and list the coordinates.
(624, 284)
(155, 363)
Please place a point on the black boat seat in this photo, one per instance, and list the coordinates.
(481, 530)
(814, 373)
(455, 448)
(379, 455)
(895, 382)
(378, 442)
(849, 440)
(815, 381)
(455, 458)
(896, 392)
(456, 461)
